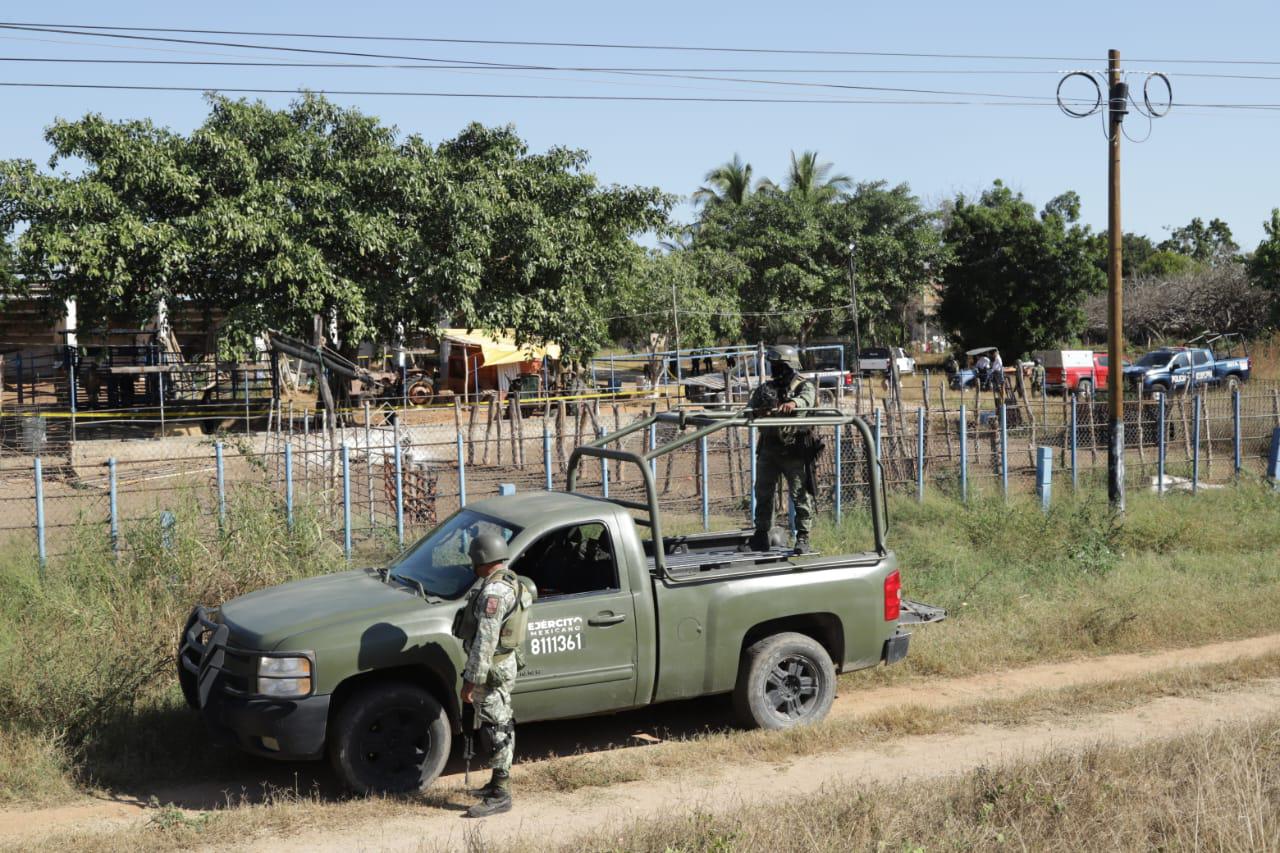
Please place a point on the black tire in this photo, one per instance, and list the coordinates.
(827, 399)
(1085, 388)
(1159, 389)
(390, 738)
(784, 681)
(1232, 382)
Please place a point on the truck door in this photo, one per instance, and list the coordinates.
(581, 651)
(1180, 370)
(1201, 367)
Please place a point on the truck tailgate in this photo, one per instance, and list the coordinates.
(915, 613)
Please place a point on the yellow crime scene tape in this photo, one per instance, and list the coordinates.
(232, 412)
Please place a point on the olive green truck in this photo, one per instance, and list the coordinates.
(363, 665)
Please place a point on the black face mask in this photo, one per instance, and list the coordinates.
(780, 370)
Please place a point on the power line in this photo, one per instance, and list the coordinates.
(93, 29)
(241, 90)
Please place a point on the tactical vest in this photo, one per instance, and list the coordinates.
(788, 436)
(515, 623)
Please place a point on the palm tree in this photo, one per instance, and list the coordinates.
(813, 180)
(730, 183)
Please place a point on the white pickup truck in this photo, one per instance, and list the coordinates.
(876, 360)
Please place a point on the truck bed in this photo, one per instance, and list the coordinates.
(728, 554)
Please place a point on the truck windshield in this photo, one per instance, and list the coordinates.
(1155, 359)
(439, 560)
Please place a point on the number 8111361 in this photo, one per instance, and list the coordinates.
(555, 643)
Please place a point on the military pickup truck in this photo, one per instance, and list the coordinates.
(363, 665)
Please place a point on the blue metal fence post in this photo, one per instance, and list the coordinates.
(879, 412)
(839, 475)
(1044, 475)
(546, 454)
(964, 455)
(113, 507)
(1074, 439)
(40, 552)
(1195, 447)
(604, 467)
(920, 429)
(399, 465)
(706, 487)
(346, 502)
(1004, 451)
(1161, 444)
(1235, 427)
(1273, 461)
(222, 484)
(462, 474)
(288, 484)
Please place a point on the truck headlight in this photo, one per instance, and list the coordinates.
(284, 677)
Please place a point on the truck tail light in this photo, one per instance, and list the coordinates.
(848, 379)
(892, 596)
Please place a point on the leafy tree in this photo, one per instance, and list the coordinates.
(812, 180)
(1166, 264)
(1209, 244)
(1264, 264)
(728, 183)
(794, 247)
(274, 215)
(705, 294)
(1016, 280)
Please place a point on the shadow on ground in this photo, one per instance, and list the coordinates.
(208, 777)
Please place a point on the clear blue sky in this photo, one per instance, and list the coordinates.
(1197, 161)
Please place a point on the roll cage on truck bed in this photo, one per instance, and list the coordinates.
(696, 556)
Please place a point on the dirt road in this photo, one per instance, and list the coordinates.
(561, 815)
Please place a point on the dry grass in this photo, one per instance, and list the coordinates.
(1215, 791)
(733, 748)
(285, 811)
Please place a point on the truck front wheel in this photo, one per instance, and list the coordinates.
(390, 738)
(785, 680)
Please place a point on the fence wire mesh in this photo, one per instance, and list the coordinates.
(407, 468)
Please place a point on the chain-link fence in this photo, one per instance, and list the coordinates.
(387, 473)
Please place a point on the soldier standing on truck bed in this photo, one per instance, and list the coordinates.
(492, 632)
(787, 452)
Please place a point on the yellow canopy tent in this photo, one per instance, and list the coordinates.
(490, 360)
(500, 349)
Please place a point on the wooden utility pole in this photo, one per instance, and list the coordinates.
(1118, 106)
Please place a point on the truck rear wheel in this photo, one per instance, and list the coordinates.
(783, 681)
(390, 738)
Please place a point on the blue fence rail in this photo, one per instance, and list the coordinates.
(402, 479)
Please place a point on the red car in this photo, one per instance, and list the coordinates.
(1075, 371)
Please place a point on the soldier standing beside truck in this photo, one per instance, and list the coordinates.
(492, 631)
(788, 452)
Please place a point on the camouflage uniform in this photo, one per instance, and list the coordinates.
(779, 455)
(491, 670)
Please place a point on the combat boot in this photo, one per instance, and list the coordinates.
(497, 781)
(802, 544)
(497, 799)
(759, 541)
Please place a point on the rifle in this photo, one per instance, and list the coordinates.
(468, 741)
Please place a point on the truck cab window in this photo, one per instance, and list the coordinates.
(1201, 357)
(570, 561)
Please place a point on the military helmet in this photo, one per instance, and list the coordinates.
(784, 353)
(488, 548)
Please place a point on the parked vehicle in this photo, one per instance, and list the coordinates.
(876, 360)
(1075, 371)
(1184, 368)
(363, 665)
(969, 375)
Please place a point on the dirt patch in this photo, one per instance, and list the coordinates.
(629, 731)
